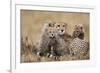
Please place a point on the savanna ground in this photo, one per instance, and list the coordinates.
(32, 24)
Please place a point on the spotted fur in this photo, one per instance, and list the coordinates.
(78, 46)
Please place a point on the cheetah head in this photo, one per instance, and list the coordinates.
(79, 27)
(49, 29)
(60, 28)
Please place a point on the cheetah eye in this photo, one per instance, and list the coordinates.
(49, 24)
(63, 25)
(58, 25)
(81, 27)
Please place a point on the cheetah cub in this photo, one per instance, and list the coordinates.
(62, 45)
(78, 31)
(78, 45)
(47, 40)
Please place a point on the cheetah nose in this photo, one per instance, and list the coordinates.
(53, 36)
(62, 30)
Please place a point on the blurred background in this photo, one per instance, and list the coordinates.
(33, 21)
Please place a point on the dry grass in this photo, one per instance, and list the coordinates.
(34, 58)
(29, 55)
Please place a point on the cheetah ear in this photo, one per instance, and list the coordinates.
(81, 25)
(52, 24)
(66, 24)
(75, 27)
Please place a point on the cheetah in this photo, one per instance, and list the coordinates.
(48, 40)
(78, 31)
(62, 45)
(78, 47)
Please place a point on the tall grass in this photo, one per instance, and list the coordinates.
(29, 50)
